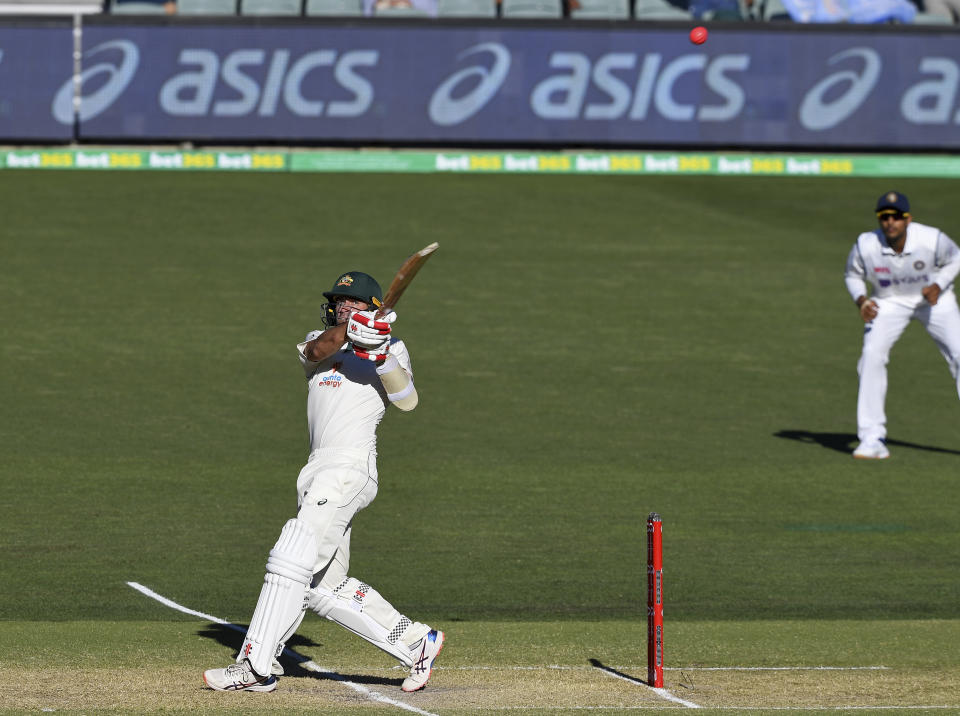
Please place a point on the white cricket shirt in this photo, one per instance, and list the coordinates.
(929, 256)
(345, 398)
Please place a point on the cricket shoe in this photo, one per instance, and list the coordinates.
(238, 677)
(427, 652)
(871, 450)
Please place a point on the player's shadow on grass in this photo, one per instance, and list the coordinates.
(846, 442)
(231, 636)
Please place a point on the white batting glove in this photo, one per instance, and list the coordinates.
(368, 332)
(378, 355)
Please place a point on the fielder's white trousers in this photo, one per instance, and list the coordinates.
(941, 321)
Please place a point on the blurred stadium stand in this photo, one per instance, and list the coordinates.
(467, 8)
(531, 8)
(51, 7)
(333, 8)
(658, 10)
(600, 9)
(273, 8)
(207, 7)
(774, 10)
(136, 7)
(927, 18)
(640, 10)
(399, 11)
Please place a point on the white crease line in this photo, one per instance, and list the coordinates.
(834, 708)
(662, 693)
(300, 658)
(776, 668)
(642, 667)
(560, 709)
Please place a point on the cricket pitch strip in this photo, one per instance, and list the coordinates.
(465, 690)
(472, 676)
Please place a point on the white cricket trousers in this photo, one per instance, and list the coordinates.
(941, 321)
(332, 487)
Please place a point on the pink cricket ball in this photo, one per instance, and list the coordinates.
(698, 35)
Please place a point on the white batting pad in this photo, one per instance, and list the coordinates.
(289, 571)
(359, 608)
(275, 667)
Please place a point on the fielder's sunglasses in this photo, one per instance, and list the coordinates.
(895, 215)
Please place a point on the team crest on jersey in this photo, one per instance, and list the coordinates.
(345, 280)
(919, 265)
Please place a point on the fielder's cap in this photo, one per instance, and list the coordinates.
(893, 201)
(356, 284)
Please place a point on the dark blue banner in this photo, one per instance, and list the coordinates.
(497, 84)
(35, 62)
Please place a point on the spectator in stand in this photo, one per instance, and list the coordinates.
(853, 11)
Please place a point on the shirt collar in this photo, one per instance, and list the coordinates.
(885, 247)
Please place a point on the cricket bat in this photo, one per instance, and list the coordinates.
(404, 276)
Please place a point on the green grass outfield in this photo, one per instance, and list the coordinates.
(587, 350)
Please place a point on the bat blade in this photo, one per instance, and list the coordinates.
(404, 276)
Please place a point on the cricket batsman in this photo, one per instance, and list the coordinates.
(355, 368)
(910, 268)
